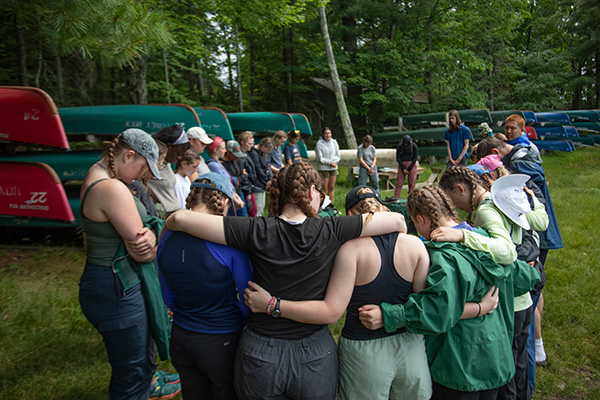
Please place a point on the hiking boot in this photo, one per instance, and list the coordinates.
(165, 377)
(164, 391)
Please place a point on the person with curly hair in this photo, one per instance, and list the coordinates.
(292, 253)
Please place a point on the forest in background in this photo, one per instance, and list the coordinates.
(395, 57)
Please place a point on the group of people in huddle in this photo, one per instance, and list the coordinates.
(439, 316)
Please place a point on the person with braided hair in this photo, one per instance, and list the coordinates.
(292, 254)
(202, 283)
(470, 356)
(373, 364)
(118, 308)
(456, 183)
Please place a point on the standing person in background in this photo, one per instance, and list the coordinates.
(198, 142)
(327, 151)
(186, 167)
(216, 151)
(367, 159)
(291, 150)
(235, 163)
(457, 139)
(407, 154)
(260, 157)
(204, 291)
(246, 145)
(163, 190)
(276, 156)
(111, 218)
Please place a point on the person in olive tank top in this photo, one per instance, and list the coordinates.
(111, 215)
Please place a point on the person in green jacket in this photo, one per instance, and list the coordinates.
(468, 358)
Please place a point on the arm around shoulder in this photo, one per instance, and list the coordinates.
(382, 223)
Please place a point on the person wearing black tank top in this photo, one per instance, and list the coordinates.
(373, 364)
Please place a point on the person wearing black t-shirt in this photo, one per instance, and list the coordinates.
(292, 256)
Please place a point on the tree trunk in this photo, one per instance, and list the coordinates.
(239, 69)
(21, 51)
(597, 86)
(138, 88)
(337, 85)
(166, 66)
(59, 77)
(200, 81)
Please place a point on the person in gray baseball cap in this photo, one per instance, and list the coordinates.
(117, 307)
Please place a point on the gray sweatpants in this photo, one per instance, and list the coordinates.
(273, 369)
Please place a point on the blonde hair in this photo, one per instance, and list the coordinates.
(369, 205)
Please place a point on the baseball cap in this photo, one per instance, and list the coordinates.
(199, 133)
(353, 198)
(491, 162)
(478, 169)
(509, 197)
(234, 148)
(145, 145)
(219, 182)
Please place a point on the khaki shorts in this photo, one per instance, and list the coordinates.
(327, 174)
(394, 367)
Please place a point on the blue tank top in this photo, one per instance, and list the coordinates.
(387, 287)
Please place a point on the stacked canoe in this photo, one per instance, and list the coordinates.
(560, 131)
(40, 176)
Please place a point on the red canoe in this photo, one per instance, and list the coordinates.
(29, 116)
(32, 190)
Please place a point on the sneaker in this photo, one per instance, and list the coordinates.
(163, 391)
(165, 377)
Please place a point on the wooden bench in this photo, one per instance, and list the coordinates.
(385, 175)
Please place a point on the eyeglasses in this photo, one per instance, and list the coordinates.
(323, 195)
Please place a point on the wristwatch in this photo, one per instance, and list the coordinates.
(276, 313)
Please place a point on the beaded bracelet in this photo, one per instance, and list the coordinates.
(271, 305)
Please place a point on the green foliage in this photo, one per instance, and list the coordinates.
(497, 54)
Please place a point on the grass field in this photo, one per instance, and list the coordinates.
(50, 351)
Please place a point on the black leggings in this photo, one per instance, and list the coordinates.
(204, 363)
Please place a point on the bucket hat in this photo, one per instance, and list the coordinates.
(509, 197)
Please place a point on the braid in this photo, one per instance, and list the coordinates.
(213, 199)
(461, 175)
(368, 205)
(112, 149)
(421, 202)
(291, 185)
(110, 156)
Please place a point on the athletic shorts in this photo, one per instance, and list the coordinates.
(327, 174)
(394, 367)
(301, 369)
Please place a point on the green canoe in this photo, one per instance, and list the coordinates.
(112, 120)
(500, 116)
(265, 122)
(424, 119)
(68, 166)
(475, 116)
(215, 122)
(418, 134)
